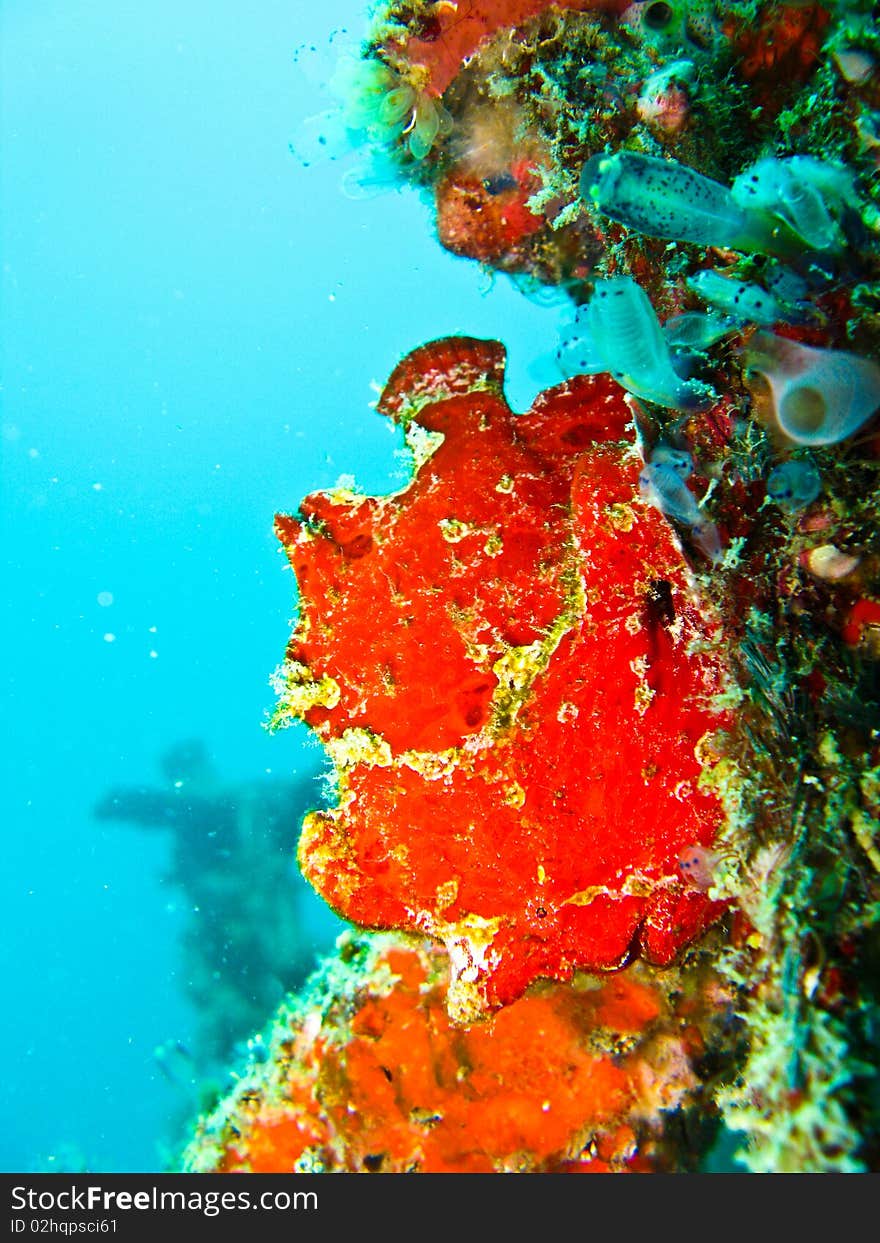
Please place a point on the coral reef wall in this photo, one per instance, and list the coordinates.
(600, 685)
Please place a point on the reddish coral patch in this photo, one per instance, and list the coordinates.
(372, 1077)
(863, 616)
(479, 222)
(780, 46)
(446, 37)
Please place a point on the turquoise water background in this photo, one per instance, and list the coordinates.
(193, 328)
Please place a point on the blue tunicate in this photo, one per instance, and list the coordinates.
(803, 205)
(662, 486)
(794, 484)
(746, 303)
(738, 299)
(770, 185)
(662, 198)
(626, 334)
(775, 207)
(696, 331)
(835, 182)
(806, 193)
(678, 459)
(787, 285)
(577, 353)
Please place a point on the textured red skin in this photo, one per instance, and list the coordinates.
(564, 825)
(444, 42)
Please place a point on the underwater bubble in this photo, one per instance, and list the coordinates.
(105, 599)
